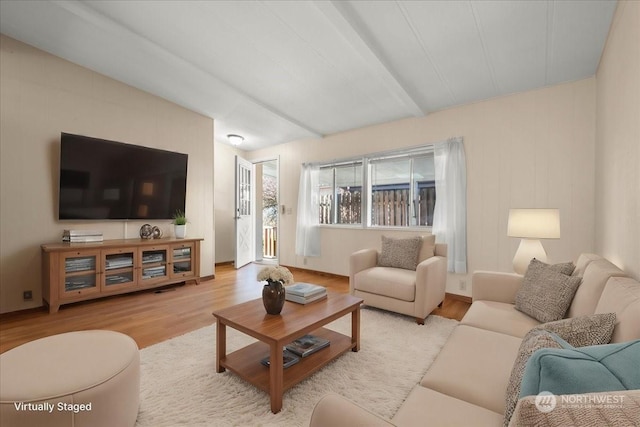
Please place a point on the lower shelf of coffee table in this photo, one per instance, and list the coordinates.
(246, 362)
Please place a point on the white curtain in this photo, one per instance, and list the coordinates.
(450, 212)
(308, 223)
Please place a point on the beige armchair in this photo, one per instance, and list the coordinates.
(414, 293)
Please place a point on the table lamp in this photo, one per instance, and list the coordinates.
(531, 225)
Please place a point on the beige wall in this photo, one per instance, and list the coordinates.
(534, 149)
(618, 142)
(42, 95)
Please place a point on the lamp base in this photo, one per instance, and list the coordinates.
(528, 249)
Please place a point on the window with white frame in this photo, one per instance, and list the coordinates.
(402, 190)
(341, 193)
(393, 189)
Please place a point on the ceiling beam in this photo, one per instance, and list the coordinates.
(340, 18)
(426, 52)
(487, 58)
(99, 20)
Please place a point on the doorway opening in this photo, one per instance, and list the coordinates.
(267, 212)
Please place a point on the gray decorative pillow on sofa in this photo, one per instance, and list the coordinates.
(580, 331)
(547, 290)
(583, 331)
(400, 253)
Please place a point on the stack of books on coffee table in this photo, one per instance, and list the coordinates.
(304, 293)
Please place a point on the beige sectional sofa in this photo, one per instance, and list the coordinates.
(467, 382)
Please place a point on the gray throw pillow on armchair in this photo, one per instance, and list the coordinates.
(400, 253)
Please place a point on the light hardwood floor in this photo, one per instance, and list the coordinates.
(151, 317)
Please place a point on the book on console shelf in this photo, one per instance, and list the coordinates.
(307, 345)
(81, 233)
(288, 359)
(118, 262)
(82, 239)
(82, 236)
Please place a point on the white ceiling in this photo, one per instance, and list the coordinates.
(276, 71)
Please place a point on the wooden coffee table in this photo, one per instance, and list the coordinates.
(276, 331)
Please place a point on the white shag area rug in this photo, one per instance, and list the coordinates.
(180, 386)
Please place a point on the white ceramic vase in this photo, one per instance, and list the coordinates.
(181, 231)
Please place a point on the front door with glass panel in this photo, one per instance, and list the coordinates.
(244, 212)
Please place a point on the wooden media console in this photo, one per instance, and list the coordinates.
(73, 272)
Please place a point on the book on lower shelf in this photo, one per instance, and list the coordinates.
(115, 279)
(288, 359)
(306, 345)
(151, 272)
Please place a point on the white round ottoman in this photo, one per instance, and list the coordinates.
(77, 379)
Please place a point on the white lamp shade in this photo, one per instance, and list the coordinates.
(534, 223)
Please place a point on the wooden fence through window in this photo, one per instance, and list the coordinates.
(388, 208)
(349, 207)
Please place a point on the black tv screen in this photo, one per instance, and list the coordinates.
(102, 179)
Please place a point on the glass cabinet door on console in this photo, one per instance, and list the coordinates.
(153, 264)
(182, 260)
(79, 273)
(119, 271)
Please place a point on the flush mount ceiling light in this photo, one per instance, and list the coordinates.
(235, 140)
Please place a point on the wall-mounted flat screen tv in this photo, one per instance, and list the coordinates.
(101, 180)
